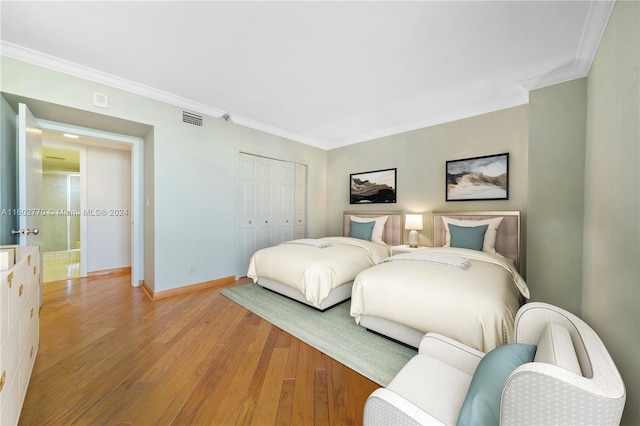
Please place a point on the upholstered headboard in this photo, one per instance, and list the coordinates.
(507, 240)
(392, 234)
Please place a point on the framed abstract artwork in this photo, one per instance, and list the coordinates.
(478, 178)
(377, 186)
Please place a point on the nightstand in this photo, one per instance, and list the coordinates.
(404, 248)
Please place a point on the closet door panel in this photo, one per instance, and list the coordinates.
(247, 205)
(286, 203)
(300, 201)
(269, 205)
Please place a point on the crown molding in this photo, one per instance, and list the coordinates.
(444, 117)
(592, 33)
(276, 131)
(56, 64)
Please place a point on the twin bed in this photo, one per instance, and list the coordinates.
(470, 295)
(320, 272)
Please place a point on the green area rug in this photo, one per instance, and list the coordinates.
(333, 332)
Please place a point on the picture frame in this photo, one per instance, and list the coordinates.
(478, 178)
(374, 187)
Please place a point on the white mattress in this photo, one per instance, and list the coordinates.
(475, 306)
(316, 271)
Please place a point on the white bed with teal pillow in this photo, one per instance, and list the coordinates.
(320, 272)
(466, 287)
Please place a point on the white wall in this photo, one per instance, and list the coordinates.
(108, 190)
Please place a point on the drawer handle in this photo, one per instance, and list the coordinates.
(34, 270)
(10, 279)
(31, 314)
(21, 290)
(3, 379)
(29, 260)
(31, 352)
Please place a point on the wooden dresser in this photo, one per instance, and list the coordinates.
(19, 330)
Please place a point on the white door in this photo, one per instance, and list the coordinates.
(247, 207)
(265, 205)
(284, 225)
(29, 166)
(300, 196)
(266, 202)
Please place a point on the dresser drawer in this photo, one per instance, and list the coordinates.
(17, 287)
(9, 363)
(33, 271)
(19, 330)
(4, 306)
(11, 402)
(28, 318)
(26, 363)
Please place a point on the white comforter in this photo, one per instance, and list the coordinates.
(313, 269)
(468, 295)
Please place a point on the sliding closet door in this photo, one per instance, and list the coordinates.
(266, 205)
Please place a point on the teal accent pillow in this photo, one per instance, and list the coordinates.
(470, 237)
(482, 404)
(362, 230)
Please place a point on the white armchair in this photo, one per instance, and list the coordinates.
(572, 380)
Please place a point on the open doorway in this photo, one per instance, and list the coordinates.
(61, 197)
(139, 139)
(87, 197)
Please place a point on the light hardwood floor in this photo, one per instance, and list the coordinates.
(110, 355)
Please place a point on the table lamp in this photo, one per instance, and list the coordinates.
(413, 222)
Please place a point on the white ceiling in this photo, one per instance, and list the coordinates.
(323, 73)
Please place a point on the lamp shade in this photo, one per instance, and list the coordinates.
(413, 221)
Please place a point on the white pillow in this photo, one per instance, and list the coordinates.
(490, 234)
(378, 228)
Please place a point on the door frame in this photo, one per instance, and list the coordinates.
(137, 188)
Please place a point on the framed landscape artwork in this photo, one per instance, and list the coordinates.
(378, 186)
(478, 178)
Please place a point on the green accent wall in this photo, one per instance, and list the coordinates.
(557, 126)
(611, 267)
(420, 157)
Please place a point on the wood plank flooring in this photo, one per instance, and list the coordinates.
(109, 355)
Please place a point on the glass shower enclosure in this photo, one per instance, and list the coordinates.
(61, 223)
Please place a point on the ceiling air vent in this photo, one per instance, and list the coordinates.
(191, 118)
